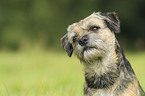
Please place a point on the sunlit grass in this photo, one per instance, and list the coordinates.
(49, 73)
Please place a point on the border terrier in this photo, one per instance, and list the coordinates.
(106, 69)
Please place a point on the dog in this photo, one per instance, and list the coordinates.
(106, 69)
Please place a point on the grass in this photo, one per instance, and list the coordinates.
(49, 73)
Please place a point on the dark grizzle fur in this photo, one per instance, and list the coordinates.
(66, 45)
(125, 67)
(104, 81)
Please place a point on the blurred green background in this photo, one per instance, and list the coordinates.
(32, 62)
(28, 23)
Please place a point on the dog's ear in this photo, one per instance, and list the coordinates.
(66, 45)
(112, 22)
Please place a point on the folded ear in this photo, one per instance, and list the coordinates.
(66, 45)
(112, 21)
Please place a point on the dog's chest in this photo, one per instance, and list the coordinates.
(100, 92)
(131, 90)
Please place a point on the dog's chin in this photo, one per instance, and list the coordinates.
(90, 54)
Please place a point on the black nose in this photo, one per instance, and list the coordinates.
(83, 41)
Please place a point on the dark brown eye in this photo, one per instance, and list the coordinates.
(74, 39)
(94, 28)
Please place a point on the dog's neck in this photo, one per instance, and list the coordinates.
(103, 72)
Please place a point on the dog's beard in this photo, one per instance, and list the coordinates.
(91, 52)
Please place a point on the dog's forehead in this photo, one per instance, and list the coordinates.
(94, 19)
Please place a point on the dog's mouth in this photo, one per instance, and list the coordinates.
(87, 48)
(91, 53)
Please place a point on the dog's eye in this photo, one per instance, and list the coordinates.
(94, 28)
(74, 39)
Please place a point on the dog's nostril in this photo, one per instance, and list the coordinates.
(83, 41)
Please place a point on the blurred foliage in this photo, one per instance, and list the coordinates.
(28, 23)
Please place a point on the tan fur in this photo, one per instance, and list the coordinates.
(132, 89)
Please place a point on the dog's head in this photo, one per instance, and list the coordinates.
(92, 37)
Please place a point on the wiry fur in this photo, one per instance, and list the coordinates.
(107, 71)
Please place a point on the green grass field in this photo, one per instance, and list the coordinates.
(49, 73)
